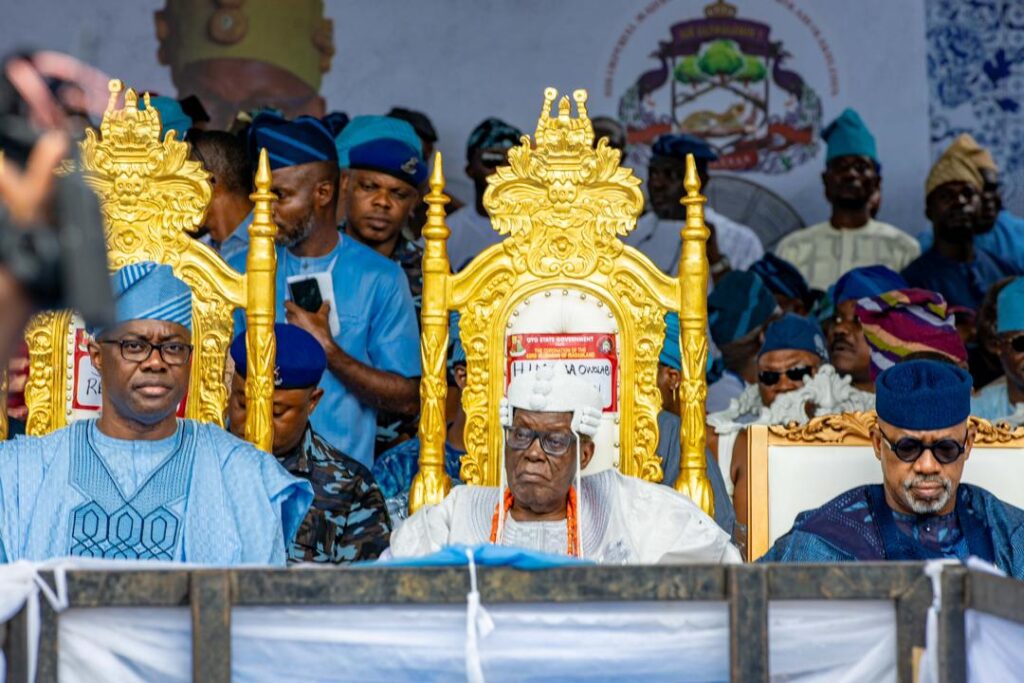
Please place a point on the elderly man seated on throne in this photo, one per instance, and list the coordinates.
(545, 503)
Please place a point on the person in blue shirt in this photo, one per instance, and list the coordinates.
(921, 510)
(955, 266)
(365, 320)
(1000, 399)
(395, 468)
(230, 211)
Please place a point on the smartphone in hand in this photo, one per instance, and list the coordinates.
(306, 294)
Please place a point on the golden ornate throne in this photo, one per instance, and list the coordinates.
(151, 193)
(563, 205)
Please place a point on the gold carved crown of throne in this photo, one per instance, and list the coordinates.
(151, 193)
(562, 204)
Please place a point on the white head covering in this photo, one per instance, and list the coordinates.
(547, 390)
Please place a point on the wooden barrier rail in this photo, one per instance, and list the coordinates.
(748, 590)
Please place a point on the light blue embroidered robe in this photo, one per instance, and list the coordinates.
(200, 496)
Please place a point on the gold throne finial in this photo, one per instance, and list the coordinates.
(550, 197)
(143, 179)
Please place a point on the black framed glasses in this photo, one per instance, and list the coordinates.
(1016, 343)
(553, 443)
(770, 378)
(908, 449)
(139, 350)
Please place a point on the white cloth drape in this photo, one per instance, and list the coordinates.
(650, 641)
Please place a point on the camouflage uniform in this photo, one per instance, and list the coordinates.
(348, 520)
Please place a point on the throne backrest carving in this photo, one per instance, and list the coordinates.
(151, 195)
(800, 467)
(562, 205)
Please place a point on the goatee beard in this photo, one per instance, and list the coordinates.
(924, 507)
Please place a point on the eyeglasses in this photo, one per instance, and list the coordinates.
(1017, 343)
(770, 378)
(139, 350)
(909, 449)
(553, 443)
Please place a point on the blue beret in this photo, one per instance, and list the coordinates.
(678, 146)
(867, 281)
(492, 133)
(794, 332)
(923, 395)
(848, 136)
(781, 276)
(390, 156)
(1010, 307)
(305, 140)
(365, 128)
(300, 361)
(739, 304)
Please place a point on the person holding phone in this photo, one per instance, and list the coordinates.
(486, 150)
(354, 301)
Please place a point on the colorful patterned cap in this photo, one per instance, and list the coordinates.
(905, 322)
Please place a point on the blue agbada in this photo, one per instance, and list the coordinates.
(919, 395)
(200, 495)
(860, 526)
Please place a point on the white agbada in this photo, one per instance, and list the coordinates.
(622, 520)
(822, 253)
(658, 239)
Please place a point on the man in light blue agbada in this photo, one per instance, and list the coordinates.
(354, 301)
(138, 483)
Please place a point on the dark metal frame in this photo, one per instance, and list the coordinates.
(963, 590)
(747, 589)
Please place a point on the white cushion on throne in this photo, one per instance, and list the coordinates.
(564, 311)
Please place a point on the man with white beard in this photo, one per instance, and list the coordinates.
(921, 511)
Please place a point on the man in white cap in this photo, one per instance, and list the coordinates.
(544, 503)
(138, 483)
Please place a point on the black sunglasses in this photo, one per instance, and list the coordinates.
(909, 449)
(770, 378)
(1017, 343)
